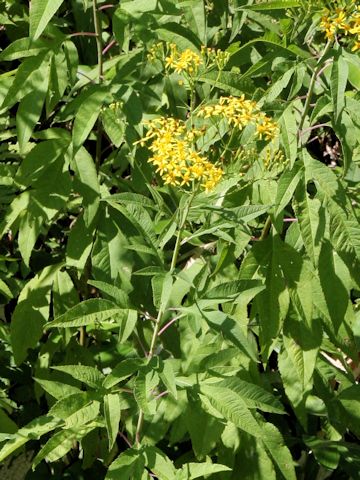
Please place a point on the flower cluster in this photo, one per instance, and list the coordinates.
(343, 21)
(240, 112)
(186, 61)
(174, 157)
(215, 57)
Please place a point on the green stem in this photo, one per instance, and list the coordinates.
(266, 229)
(311, 90)
(99, 47)
(161, 311)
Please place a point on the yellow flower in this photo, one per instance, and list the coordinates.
(186, 61)
(240, 112)
(174, 157)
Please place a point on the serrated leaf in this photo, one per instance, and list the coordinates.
(112, 414)
(253, 395)
(86, 313)
(123, 370)
(289, 134)
(167, 376)
(89, 375)
(191, 471)
(76, 410)
(159, 463)
(145, 384)
(126, 465)
(56, 389)
(273, 5)
(286, 187)
(231, 331)
(232, 407)
(35, 429)
(161, 286)
(339, 76)
(60, 444)
(279, 452)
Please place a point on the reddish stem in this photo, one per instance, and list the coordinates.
(83, 34)
(125, 439)
(162, 394)
(104, 7)
(107, 48)
(165, 327)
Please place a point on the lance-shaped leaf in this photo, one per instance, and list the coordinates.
(41, 12)
(60, 444)
(31, 431)
(112, 413)
(85, 313)
(89, 375)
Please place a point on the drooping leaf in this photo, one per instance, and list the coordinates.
(41, 12)
(112, 414)
(86, 313)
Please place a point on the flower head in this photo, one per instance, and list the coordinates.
(239, 113)
(174, 157)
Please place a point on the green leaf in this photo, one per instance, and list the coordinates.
(286, 187)
(273, 302)
(23, 47)
(5, 290)
(231, 330)
(86, 182)
(145, 385)
(123, 370)
(279, 452)
(253, 395)
(167, 376)
(311, 218)
(57, 390)
(161, 286)
(85, 313)
(127, 466)
(204, 429)
(31, 313)
(112, 414)
(339, 77)
(80, 242)
(87, 114)
(33, 430)
(76, 410)
(273, 5)
(190, 471)
(335, 293)
(234, 289)
(159, 463)
(29, 77)
(60, 444)
(232, 407)
(118, 295)
(289, 133)
(89, 375)
(229, 82)
(141, 220)
(41, 12)
(297, 361)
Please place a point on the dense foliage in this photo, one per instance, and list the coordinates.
(180, 244)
